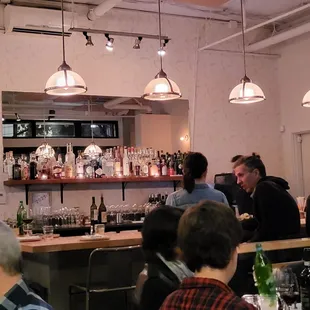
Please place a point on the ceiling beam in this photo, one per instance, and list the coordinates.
(207, 3)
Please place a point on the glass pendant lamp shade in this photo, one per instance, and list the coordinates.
(45, 150)
(162, 88)
(65, 82)
(306, 100)
(246, 92)
(93, 150)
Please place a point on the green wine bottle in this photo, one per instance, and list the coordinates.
(264, 276)
(21, 214)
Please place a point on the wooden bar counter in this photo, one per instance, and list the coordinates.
(128, 238)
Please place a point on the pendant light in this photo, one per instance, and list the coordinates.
(93, 150)
(161, 88)
(65, 82)
(246, 92)
(45, 150)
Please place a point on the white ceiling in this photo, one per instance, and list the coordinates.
(256, 9)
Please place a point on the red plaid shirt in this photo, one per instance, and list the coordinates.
(203, 294)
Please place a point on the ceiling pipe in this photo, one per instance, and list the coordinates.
(133, 107)
(101, 9)
(272, 20)
(114, 102)
(278, 38)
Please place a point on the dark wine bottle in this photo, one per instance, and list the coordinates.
(102, 212)
(93, 213)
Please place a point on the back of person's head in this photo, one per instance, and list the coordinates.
(208, 236)
(159, 233)
(10, 253)
(195, 165)
(252, 162)
(235, 158)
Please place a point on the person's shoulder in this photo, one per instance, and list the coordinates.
(38, 302)
(215, 192)
(170, 300)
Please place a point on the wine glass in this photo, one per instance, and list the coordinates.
(287, 286)
(27, 220)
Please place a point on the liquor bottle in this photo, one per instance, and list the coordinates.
(158, 164)
(126, 171)
(93, 213)
(24, 168)
(21, 215)
(69, 162)
(264, 277)
(171, 170)
(98, 168)
(33, 167)
(17, 170)
(110, 163)
(10, 164)
(117, 164)
(79, 166)
(102, 212)
(57, 168)
(304, 281)
(164, 168)
(5, 163)
(88, 168)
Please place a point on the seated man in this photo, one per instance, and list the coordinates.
(163, 272)
(274, 208)
(14, 292)
(208, 235)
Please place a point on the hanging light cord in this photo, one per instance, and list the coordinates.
(160, 41)
(63, 31)
(91, 120)
(243, 36)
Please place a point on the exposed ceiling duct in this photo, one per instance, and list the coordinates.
(208, 3)
(278, 38)
(116, 104)
(101, 9)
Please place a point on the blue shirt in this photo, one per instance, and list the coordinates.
(22, 298)
(183, 199)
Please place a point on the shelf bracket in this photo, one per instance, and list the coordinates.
(124, 184)
(27, 193)
(62, 193)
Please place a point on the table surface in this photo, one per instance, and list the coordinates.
(128, 238)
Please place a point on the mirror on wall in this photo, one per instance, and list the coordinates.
(30, 118)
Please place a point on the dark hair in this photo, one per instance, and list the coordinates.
(252, 162)
(208, 234)
(159, 233)
(235, 158)
(195, 165)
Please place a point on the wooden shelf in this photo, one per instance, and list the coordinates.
(123, 180)
(176, 178)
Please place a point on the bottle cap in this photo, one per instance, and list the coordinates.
(20, 201)
(306, 255)
(258, 247)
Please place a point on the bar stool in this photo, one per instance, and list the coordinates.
(102, 287)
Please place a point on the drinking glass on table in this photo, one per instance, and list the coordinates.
(48, 232)
(27, 220)
(287, 286)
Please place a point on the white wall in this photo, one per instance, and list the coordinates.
(217, 129)
(294, 82)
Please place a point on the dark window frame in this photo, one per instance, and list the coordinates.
(77, 128)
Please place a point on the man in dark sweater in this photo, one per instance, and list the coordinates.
(274, 208)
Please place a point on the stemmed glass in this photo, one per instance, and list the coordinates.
(27, 220)
(287, 286)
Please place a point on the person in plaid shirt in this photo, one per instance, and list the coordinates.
(209, 235)
(14, 292)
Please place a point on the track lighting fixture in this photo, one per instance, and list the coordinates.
(18, 119)
(89, 41)
(137, 43)
(162, 51)
(109, 45)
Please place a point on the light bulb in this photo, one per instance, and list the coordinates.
(161, 52)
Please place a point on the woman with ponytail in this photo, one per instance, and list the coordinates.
(195, 188)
